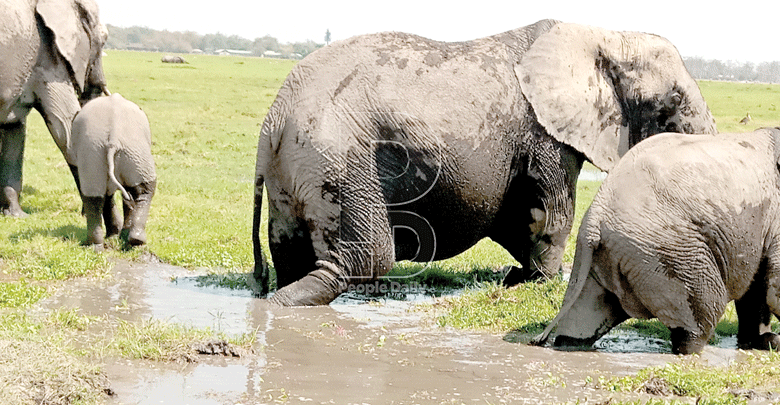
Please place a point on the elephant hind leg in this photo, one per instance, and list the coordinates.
(93, 207)
(291, 249)
(319, 256)
(111, 217)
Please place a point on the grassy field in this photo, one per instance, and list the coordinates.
(205, 118)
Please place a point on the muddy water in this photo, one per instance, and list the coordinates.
(352, 352)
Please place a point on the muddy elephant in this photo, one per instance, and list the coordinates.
(391, 146)
(50, 60)
(172, 59)
(111, 150)
(680, 227)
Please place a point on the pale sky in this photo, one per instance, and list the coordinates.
(742, 31)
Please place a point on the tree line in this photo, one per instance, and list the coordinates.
(141, 38)
(147, 39)
(708, 69)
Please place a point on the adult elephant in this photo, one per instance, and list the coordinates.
(50, 60)
(680, 227)
(391, 146)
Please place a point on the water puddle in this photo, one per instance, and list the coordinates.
(351, 352)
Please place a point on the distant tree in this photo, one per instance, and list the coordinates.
(304, 48)
(327, 36)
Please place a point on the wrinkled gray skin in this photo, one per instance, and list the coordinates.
(173, 59)
(393, 147)
(111, 150)
(50, 60)
(680, 227)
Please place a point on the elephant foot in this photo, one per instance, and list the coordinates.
(517, 275)
(687, 342)
(319, 287)
(770, 341)
(572, 344)
(98, 247)
(764, 341)
(11, 207)
(15, 213)
(136, 237)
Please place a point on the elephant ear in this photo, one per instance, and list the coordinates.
(72, 23)
(571, 76)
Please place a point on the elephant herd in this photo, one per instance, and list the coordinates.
(51, 60)
(391, 146)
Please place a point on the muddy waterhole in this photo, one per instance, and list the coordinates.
(355, 351)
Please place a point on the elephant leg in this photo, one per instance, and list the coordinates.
(769, 294)
(291, 247)
(94, 211)
(683, 289)
(351, 242)
(135, 219)
(111, 217)
(755, 331)
(75, 171)
(595, 312)
(11, 157)
(538, 212)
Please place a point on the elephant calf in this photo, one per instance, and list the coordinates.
(680, 227)
(110, 147)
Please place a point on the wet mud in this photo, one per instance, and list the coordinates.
(354, 351)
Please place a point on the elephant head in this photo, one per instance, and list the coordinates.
(78, 37)
(598, 92)
(602, 92)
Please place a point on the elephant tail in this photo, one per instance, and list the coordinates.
(110, 156)
(583, 259)
(261, 272)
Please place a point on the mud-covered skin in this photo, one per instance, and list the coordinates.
(391, 146)
(50, 60)
(110, 151)
(680, 227)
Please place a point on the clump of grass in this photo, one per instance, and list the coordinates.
(493, 308)
(71, 319)
(20, 294)
(162, 341)
(757, 375)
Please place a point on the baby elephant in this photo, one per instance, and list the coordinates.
(681, 226)
(110, 148)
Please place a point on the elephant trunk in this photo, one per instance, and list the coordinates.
(582, 262)
(261, 272)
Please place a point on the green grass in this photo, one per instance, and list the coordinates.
(157, 340)
(758, 373)
(730, 102)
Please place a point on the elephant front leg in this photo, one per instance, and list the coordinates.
(137, 213)
(755, 315)
(319, 287)
(93, 207)
(11, 158)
